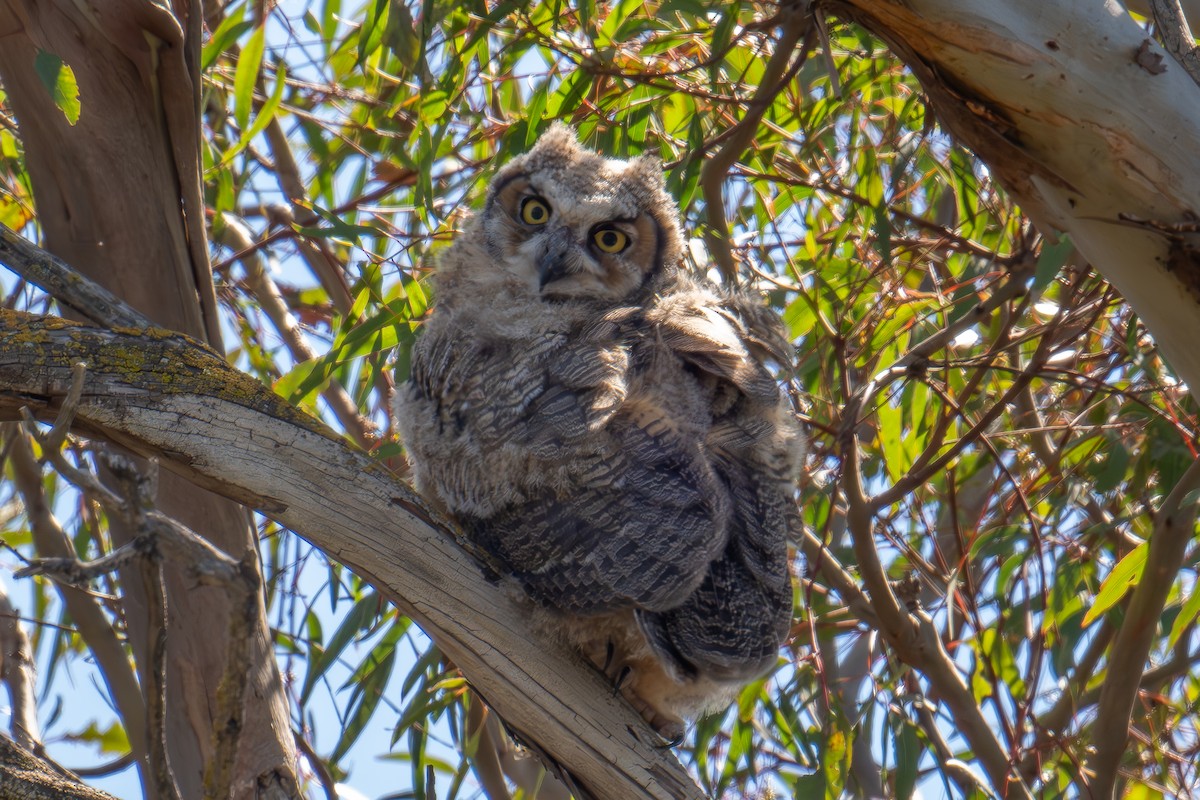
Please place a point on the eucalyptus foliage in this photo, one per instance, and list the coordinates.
(1011, 420)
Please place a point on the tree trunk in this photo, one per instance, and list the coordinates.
(119, 195)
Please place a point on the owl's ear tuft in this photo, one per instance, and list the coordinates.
(559, 131)
(558, 138)
(650, 169)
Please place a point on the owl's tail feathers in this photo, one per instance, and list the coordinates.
(727, 633)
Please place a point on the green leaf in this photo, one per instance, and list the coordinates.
(246, 76)
(59, 80)
(908, 758)
(361, 617)
(229, 31)
(1186, 616)
(264, 117)
(369, 682)
(109, 740)
(1125, 574)
(1050, 261)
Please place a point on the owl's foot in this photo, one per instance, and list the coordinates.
(665, 724)
(640, 681)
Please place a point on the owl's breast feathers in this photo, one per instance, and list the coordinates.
(638, 458)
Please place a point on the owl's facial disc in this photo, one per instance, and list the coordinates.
(576, 244)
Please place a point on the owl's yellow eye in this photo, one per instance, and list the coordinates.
(609, 239)
(534, 211)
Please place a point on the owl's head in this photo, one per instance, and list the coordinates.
(572, 224)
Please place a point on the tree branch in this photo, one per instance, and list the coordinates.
(1173, 529)
(165, 396)
(25, 776)
(915, 639)
(16, 671)
(48, 272)
(51, 541)
(1176, 35)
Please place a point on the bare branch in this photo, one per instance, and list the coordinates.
(49, 273)
(51, 541)
(1174, 527)
(1176, 35)
(16, 671)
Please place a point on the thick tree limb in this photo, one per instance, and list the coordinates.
(24, 776)
(1051, 97)
(164, 396)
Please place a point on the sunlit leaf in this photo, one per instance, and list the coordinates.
(59, 80)
(1124, 575)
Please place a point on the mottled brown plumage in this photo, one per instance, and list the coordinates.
(604, 424)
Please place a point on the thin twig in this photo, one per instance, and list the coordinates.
(776, 75)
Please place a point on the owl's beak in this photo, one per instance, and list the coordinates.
(553, 264)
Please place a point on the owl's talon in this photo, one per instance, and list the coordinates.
(621, 678)
(609, 651)
(667, 744)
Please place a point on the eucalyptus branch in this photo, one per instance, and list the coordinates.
(29, 776)
(1174, 527)
(914, 637)
(822, 561)
(51, 541)
(962, 775)
(778, 72)
(318, 255)
(1176, 35)
(16, 671)
(51, 274)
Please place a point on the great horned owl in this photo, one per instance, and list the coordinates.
(602, 423)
